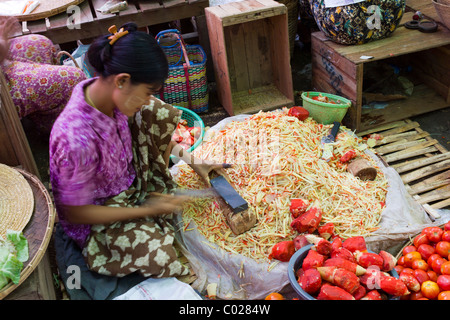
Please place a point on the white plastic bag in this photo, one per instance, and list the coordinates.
(160, 289)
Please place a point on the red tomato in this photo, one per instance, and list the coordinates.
(399, 268)
(420, 264)
(430, 289)
(432, 275)
(436, 265)
(444, 295)
(410, 257)
(425, 230)
(443, 248)
(274, 296)
(445, 268)
(426, 251)
(401, 261)
(447, 226)
(408, 249)
(443, 282)
(420, 239)
(433, 257)
(407, 271)
(416, 295)
(446, 236)
(299, 112)
(434, 234)
(421, 275)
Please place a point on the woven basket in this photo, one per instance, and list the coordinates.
(348, 24)
(186, 85)
(410, 242)
(292, 12)
(38, 230)
(443, 10)
(48, 8)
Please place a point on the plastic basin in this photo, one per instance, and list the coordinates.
(296, 262)
(323, 112)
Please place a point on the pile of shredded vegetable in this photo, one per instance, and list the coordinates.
(275, 158)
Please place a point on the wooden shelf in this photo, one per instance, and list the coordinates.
(423, 100)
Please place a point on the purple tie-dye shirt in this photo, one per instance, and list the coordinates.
(90, 158)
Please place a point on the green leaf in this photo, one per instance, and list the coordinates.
(3, 281)
(20, 243)
(11, 268)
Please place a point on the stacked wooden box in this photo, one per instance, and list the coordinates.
(250, 48)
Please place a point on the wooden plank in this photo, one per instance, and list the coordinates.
(280, 54)
(400, 129)
(241, 12)
(253, 31)
(235, 37)
(402, 155)
(402, 41)
(381, 128)
(435, 181)
(15, 136)
(437, 194)
(401, 137)
(441, 204)
(218, 49)
(426, 171)
(423, 162)
(398, 146)
(149, 5)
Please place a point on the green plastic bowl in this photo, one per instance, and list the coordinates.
(322, 112)
(192, 119)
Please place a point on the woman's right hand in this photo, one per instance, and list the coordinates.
(165, 204)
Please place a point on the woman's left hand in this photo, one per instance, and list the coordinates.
(204, 169)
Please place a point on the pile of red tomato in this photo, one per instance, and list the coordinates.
(427, 259)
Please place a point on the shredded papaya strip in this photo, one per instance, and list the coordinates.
(275, 158)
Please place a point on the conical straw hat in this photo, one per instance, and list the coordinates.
(16, 200)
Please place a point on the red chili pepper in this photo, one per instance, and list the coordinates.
(282, 251)
(309, 221)
(298, 206)
(299, 112)
(327, 230)
(348, 156)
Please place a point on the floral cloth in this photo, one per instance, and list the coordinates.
(349, 24)
(39, 88)
(95, 160)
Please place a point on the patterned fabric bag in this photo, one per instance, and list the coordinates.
(186, 85)
(360, 22)
(146, 246)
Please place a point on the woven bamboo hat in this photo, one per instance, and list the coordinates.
(16, 200)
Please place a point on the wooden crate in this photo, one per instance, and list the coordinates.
(250, 49)
(421, 161)
(339, 69)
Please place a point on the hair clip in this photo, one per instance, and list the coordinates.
(116, 35)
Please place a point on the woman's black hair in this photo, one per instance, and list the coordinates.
(136, 53)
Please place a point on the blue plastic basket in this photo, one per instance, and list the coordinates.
(193, 119)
